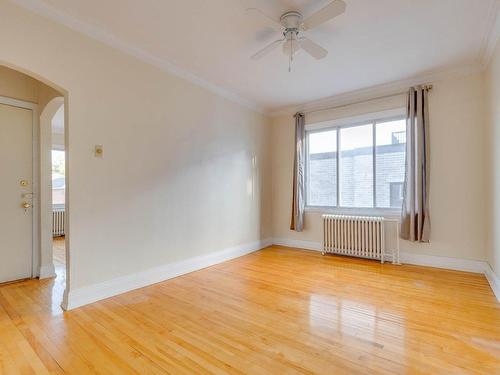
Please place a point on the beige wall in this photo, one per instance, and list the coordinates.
(184, 172)
(457, 170)
(16, 85)
(493, 112)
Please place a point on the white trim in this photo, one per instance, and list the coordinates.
(457, 264)
(378, 91)
(85, 295)
(300, 244)
(492, 35)
(494, 281)
(97, 33)
(357, 120)
(18, 103)
(35, 246)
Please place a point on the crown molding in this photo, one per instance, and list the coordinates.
(492, 34)
(41, 8)
(377, 91)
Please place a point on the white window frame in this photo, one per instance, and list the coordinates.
(370, 118)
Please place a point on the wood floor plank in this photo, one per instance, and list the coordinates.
(275, 311)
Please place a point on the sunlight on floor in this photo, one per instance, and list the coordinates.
(59, 283)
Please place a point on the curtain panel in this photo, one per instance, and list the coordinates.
(415, 220)
(299, 178)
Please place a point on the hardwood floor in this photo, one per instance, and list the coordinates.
(276, 311)
(59, 249)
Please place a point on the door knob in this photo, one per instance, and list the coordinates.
(26, 205)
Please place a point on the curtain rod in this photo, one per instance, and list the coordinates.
(425, 87)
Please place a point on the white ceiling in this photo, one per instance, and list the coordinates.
(374, 42)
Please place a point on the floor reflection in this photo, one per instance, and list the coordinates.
(59, 282)
(361, 325)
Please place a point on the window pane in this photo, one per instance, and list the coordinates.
(390, 158)
(356, 166)
(322, 169)
(58, 179)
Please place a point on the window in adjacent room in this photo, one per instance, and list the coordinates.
(357, 163)
(58, 178)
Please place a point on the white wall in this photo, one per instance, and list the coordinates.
(457, 169)
(492, 78)
(184, 172)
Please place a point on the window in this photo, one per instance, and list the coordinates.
(357, 163)
(322, 168)
(58, 178)
(356, 166)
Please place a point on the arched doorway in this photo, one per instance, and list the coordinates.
(47, 106)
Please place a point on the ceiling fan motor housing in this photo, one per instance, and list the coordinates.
(291, 20)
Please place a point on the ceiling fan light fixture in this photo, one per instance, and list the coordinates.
(292, 25)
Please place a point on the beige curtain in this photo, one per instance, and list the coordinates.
(415, 221)
(299, 178)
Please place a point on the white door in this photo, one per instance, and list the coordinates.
(16, 187)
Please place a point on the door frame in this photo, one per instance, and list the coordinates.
(35, 246)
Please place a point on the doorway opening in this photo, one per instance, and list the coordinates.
(33, 122)
(53, 196)
(58, 179)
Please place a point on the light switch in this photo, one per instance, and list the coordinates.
(98, 151)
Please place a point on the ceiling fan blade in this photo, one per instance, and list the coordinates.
(315, 50)
(332, 10)
(264, 51)
(269, 21)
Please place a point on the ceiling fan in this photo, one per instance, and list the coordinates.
(292, 25)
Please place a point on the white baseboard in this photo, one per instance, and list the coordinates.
(93, 293)
(301, 244)
(457, 264)
(47, 271)
(494, 281)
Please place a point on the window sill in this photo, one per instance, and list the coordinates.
(385, 212)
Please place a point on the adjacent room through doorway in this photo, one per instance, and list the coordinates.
(58, 163)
